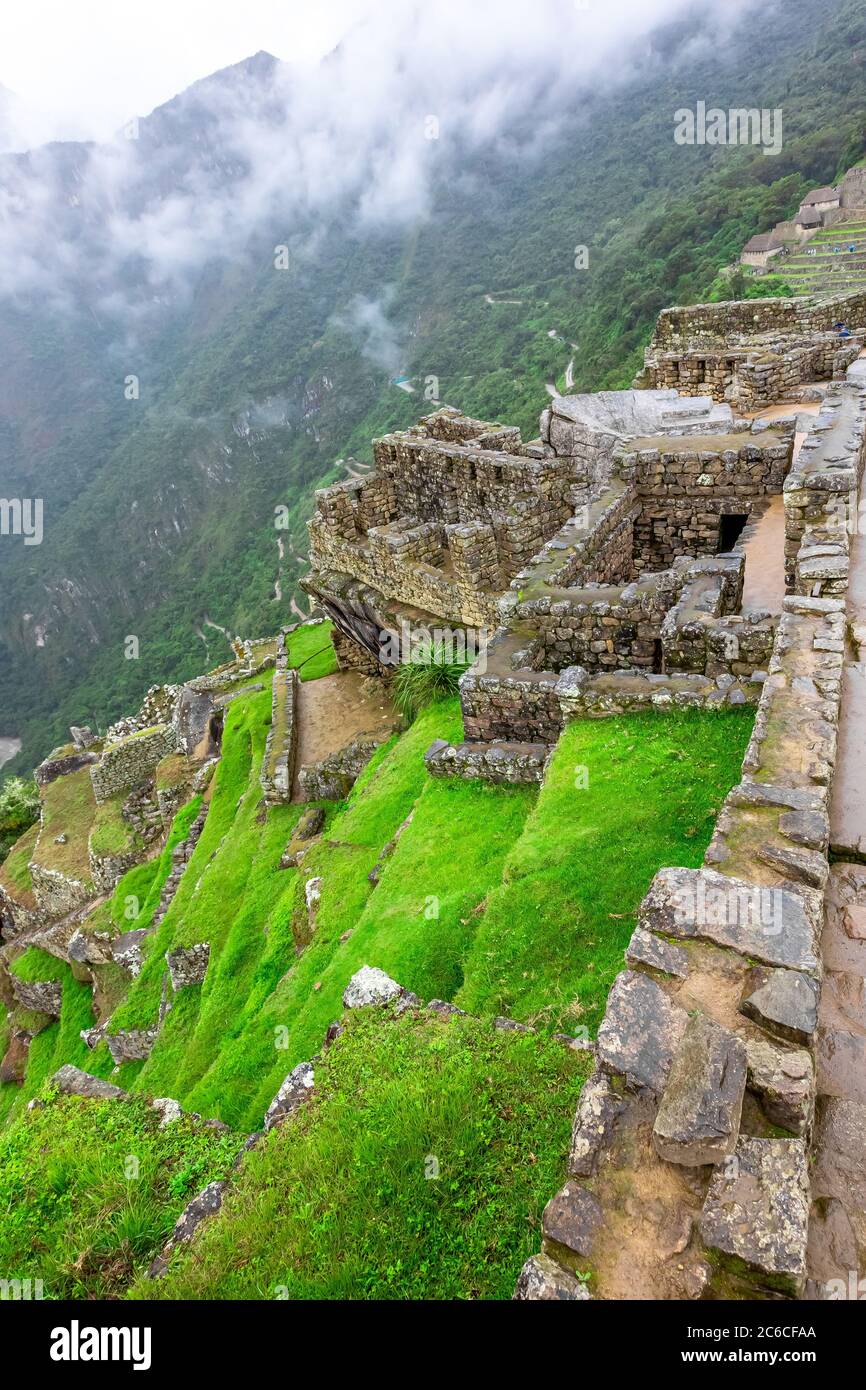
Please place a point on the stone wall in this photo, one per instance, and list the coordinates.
(687, 485)
(278, 763)
(453, 508)
(333, 778)
(706, 1054)
(131, 761)
(754, 352)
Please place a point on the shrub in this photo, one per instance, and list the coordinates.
(417, 684)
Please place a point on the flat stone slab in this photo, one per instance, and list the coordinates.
(842, 1065)
(784, 1002)
(570, 1222)
(698, 1120)
(837, 1230)
(757, 1212)
(848, 804)
(777, 926)
(74, 1082)
(640, 1032)
(803, 865)
(784, 1081)
(541, 1278)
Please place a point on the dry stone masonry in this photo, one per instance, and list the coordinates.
(689, 1163)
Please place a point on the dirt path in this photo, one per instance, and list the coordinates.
(335, 710)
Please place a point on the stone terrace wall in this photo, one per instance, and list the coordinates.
(726, 322)
(278, 763)
(705, 1088)
(133, 760)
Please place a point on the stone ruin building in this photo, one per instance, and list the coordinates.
(602, 560)
(718, 1148)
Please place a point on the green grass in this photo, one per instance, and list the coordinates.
(311, 650)
(68, 808)
(621, 799)
(90, 1191)
(342, 1202)
(35, 964)
(226, 1047)
(110, 833)
(15, 871)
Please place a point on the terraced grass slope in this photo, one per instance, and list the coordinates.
(274, 984)
(832, 262)
(90, 1191)
(621, 799)
(419, 1169)
(422, 1164)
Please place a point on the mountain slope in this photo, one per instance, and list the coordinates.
(252, 380)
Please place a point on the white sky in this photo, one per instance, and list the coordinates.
(82, 67)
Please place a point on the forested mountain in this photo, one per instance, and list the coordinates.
(164, 414)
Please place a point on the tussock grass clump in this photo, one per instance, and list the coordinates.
(417, 684)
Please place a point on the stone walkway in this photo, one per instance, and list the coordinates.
(837, 1231)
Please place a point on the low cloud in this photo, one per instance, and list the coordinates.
(404, 98)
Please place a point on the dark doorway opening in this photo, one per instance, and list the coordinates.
(730, 529)
(658, 657)
(215, 733)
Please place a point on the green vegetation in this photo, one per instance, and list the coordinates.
(14, 871)
(742, 286)
(110, 833)
(90, 1191)
(419, 1169)
(420, 683)
(68, 813)
(19, 808)
(621, 799)
(57, 1043)
(311, 651)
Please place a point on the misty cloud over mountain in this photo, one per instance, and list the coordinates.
(365, 138)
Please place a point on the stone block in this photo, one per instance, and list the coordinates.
(784, 1002)
(541, 1278)
(294, 1092)
(640, 1032)
(756, 1213)
(698, 1120)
